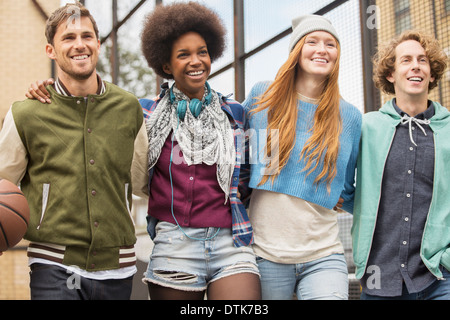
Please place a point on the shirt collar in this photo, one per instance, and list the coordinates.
(427, 114)
(62, 90)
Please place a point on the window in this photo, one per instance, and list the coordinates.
(402, 15)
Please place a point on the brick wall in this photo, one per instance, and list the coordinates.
(23, 61)
(14, 274)
(22, 56)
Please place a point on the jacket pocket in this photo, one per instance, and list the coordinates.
(45, 194)
(127, 187)
(445, 259)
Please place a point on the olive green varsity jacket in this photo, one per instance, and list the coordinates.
(77, 181)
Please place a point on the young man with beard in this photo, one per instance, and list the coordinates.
(77, 160)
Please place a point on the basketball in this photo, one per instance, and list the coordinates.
(14, 215)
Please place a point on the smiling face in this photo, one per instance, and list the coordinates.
(75, 49)
(190, 64)
(319, 55)
(412, 74)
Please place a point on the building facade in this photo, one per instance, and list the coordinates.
(431, 16)
(23, 61)
(22, 40)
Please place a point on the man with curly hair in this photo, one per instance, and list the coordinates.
(401, 238)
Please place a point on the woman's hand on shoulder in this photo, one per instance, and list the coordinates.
(39, 92)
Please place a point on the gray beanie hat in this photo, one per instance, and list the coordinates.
(303, 25)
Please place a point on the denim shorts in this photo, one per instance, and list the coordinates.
(181, 263)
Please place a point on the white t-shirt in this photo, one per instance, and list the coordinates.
(291, 230)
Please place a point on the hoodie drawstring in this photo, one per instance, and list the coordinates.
(407, 119)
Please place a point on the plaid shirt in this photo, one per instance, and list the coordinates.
(241, 227)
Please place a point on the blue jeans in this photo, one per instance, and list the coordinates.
(322, 279)
(438, 290)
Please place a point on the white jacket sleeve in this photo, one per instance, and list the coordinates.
(13, 155)
(139, 167)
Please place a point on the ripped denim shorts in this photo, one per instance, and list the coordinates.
(181, 263)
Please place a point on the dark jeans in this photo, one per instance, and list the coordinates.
(50, 282)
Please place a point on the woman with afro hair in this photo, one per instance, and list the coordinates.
(200, 228)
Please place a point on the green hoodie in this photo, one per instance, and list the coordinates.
(378, 130)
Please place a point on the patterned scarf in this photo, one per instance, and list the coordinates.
(206, 139)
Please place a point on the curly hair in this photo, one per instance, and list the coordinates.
(384, 60)
(168, 22)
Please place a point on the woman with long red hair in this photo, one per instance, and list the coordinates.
(304, 139)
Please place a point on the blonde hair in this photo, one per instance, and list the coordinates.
(384, 60)
(281, 100)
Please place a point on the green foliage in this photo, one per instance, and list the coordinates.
(134, 74)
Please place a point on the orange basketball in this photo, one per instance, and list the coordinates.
(14, 215)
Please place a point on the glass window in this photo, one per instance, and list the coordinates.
(402, 15)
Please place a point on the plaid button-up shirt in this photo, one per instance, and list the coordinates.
(241, 228)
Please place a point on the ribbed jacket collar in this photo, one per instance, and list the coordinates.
(62, 90)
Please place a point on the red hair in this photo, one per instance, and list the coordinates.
(281, 100)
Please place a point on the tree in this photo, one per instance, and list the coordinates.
(134, 74)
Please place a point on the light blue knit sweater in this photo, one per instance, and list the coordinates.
(293, 180)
